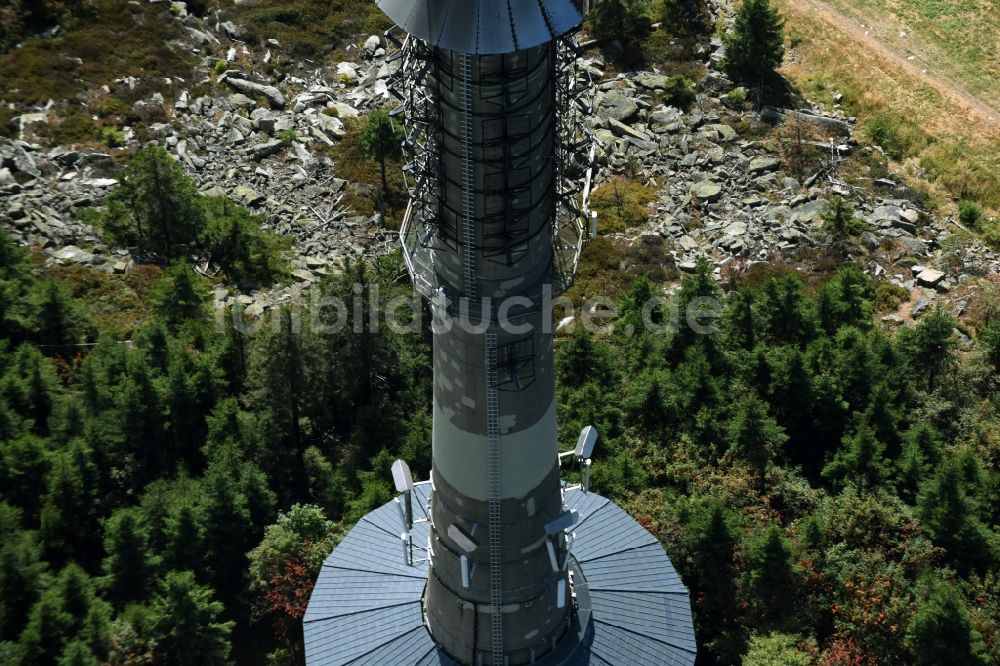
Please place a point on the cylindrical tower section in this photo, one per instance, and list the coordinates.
(497, 180)
(495, 453)
(485, 193)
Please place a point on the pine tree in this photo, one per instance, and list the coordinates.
(699, 303)
(66, 612)
(624, 20)
(583, 358)
(713, 584)
(155, 206)
(382, 139)
(755, 48)
(70, 509)
(785, 316)
(929, 346)
(180, 298)
(950, 518)
(189, 632)
(860, 461)
(846, 300)
(126, 566)
(56, 319)
(772, 585)
(78, 654)
(941, 633)
(739, 323)
(753, 435)
(22, 571)
(185, 538)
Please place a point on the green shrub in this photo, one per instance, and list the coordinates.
(887, 131)
(112, 137)
(621, 204)
(889, 296)
(288, 135)
(738, 98)
(625, 20)
(970, 214)
(776, 650)
(220, 66)
(679, 91)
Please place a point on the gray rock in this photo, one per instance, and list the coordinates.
(930, 277)
(651, 80)
(621, 129)
(919, 307)
(267, 149)
(273, 95)
(736, 229)
(707, 190)
(347, 73)
(372, 44)
(666, 119)
(72, 253)
(763, 163)
(725, 132)
(616, 106)
(248, 196)
(230, 29)
(330, 126)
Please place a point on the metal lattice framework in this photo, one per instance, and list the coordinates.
(424, 229)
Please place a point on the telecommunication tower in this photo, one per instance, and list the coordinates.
(495, 560)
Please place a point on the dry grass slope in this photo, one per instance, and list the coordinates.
(939, 135)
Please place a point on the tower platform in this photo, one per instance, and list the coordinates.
(631, 606)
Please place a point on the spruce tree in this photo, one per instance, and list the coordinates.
(713, 584)
(67, 611)
(624, 20)
(126, 566)
(941, 633)
(753, 435)
(950, 517)
(382, 139)
(155, 207)
(755, 48)
(860, 461)
(187, 623)
(772, 581)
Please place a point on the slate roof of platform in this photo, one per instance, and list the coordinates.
(483, 26)
(366, 606)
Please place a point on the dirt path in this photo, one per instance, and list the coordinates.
(945, 85)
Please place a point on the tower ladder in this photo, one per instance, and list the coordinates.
(468, 179)
(493, 437)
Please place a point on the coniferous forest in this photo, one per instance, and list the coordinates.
(826, 490)
(172, 475)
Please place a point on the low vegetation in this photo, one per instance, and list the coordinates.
(933, 136)
(98, 42)
(158, 211)
(621, 204)
(308, 28)
(373, 184)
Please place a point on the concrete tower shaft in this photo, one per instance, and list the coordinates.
(482, 244)
(495, 469)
